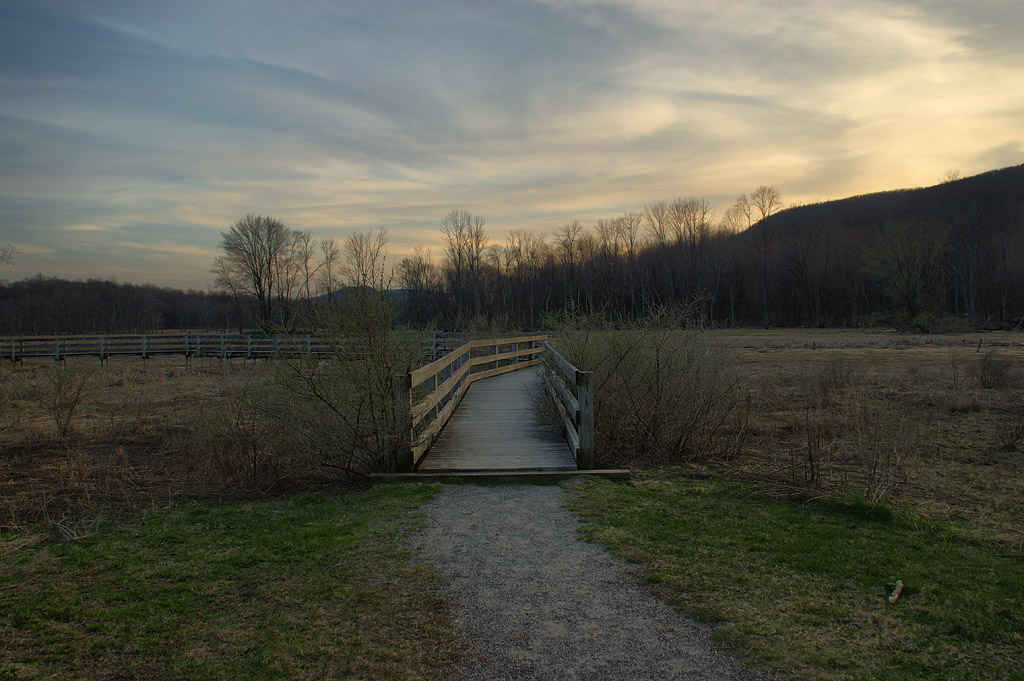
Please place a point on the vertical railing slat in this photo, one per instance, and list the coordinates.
(403, 422)
(585, 395)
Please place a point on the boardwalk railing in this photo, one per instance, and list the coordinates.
(425, 398)
(217, 345)
(572, 393)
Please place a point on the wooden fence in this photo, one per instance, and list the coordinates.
(216, 345)
(572, 393)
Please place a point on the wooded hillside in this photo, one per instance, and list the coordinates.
(939, 257)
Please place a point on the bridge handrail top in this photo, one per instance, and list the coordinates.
(565, 366)
(421, 374)
(427, 370)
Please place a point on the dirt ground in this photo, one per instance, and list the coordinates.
(533, 600)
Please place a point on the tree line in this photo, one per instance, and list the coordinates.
(925, 259)
(931, 258)
(47, 305)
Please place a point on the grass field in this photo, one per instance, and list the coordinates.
(957, 412)
(803, 588)
(145, 519)
(300, 588)
(781, 545)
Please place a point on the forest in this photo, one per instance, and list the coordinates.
(937, 258)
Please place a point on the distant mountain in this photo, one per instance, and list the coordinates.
(953, 251)
(995, 196)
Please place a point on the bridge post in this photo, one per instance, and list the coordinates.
(585, 394)
(403, 423)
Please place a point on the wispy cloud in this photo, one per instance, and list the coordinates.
(161, 123)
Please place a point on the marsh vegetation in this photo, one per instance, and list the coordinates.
(812, 468)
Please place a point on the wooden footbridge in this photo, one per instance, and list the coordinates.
(496, 409)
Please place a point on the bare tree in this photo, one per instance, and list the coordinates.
(308, 268)
(566, 239)
(417, 274)
(764, 202)
(767, 199)
(950, 175)
(908, 260)
(656, 217)
(366, 258)
(629, 229)
(257, 261)
(465, 245)
(328, 276)
(7, 254)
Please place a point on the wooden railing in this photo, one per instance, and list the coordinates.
(216, 345)
(572, 393)
(426, 398)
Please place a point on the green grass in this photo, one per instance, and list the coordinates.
(803, 589)
(295, 588)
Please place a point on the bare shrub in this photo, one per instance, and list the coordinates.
(831, 377)
(662, 393)
(312, 416)
(818, 446)
(61, 391)
(994, 371)
(1010, 433)
(230, 440)
(340, 411)
(882, 441)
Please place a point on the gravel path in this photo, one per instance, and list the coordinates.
(538, 602)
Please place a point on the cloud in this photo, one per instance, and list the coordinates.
(162, 123)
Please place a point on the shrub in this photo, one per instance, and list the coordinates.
(232, 441)
(831, 377)
(993, 370)
(1010, 434)
(61, 390)
(340, 411)
(662, 393)
(882, 441)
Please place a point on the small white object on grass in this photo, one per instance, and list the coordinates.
(896, 591)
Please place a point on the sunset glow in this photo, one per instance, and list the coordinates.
(132, 134)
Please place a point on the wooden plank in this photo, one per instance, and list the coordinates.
(507, 341)
(489, 373)
(569, 431)
(495, 428)
(220, 345)
(424, 372)
(421, 408)
(512, 354)
(445, 414)
(567, 369)
(498, 476)
(568, 400)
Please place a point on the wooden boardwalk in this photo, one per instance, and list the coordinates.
(495, 429)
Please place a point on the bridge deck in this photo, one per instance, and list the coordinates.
(495, 428)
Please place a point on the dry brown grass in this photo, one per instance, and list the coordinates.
(835, 412)
(143, 436)
(818, 403)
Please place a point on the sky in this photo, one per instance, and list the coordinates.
(133, 133)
